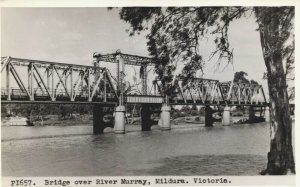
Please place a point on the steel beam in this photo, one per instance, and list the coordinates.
(105, 83)
(48, 78)
(5, 62)
(8, 81)
(61, 81)
(71, 82)
(18, 80)
(52, 81)
(42, 81)
(89, 85)
(144, 79)
(95, 86)
(76, 67)
(129, 59)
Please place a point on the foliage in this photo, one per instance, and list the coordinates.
(38, 111)
(285, 19)
(186, 111)
(176, 34)
(240, 77)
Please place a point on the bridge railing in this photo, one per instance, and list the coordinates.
(143, 99)
(61, 95)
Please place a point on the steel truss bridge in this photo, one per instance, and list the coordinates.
(35, 81)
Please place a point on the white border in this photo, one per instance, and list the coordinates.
(238, 180)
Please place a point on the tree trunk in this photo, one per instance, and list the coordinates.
(280, 157)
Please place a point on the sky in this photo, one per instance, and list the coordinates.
(72, 35)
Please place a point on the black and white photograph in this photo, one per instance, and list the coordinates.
(166, 92)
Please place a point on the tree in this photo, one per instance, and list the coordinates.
(175, 36)
(275, 25)
(66, 110)
(240, 77)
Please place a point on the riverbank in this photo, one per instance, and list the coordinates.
(50, 120)
(56, 120)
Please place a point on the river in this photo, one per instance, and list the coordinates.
(187, 149)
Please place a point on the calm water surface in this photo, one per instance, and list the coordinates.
(185, 150)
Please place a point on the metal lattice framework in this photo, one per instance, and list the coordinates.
(212, 92)
(41, 81)
(243, 93)
(51, 81)
(128, 59)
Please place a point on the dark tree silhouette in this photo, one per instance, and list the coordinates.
(240, 77)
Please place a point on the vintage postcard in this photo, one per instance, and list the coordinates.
(148, 94)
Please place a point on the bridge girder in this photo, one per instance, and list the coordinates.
(129, 59)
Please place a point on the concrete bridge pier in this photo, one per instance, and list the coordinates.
(146, 117)
(226, 116)
(98, 119)
(209, 120)
(165, 117)
(159, 121)
(267, 114)
(119, 127)
(252, 116)
(146, 111)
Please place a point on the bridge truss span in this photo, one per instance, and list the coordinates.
(201, 91)
(198, 91)
(244, 93)
(27, 81)
(35, 80)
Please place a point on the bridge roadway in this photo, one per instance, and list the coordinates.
(33, 81)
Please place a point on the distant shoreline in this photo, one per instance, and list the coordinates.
(86, 119)
(50, 120)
